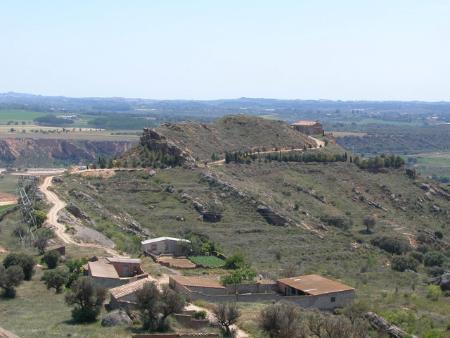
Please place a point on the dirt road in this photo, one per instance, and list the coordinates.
(60, 229)
(319, 144)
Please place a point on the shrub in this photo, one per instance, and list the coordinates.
(340, 222)
(433, 258)
(26, 262)
(10, 278)
(235, 261)
(435, 271)
(87, 299)
(417, 255)
(40, 217)
(434, 292)
(51, 259)
(402, 263)
(281, 320)
(56, 278)
(238, 276)
(392, 245)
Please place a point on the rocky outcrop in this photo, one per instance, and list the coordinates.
(48, 152)
(271, 216)
(154, 141)
(381, 324)
(74, 210)
(116, 318)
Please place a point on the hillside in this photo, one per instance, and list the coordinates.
(285, 217)
(232, 133)
(30, 152)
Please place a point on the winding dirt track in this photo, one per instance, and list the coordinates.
(60, 229)
(319, 144)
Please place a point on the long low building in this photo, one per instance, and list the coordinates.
(165, 246)
(309, 291)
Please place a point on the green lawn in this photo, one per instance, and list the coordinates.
(18, 115)
(207, 261)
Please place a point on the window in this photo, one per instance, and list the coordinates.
(333, 299)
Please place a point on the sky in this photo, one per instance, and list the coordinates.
(209, 49)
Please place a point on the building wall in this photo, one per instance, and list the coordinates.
(164, 247)
(109, 282)
(323, 302)
(127, 269)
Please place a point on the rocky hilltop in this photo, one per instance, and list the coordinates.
(187, 142)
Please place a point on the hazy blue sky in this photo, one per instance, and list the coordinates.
(336, 49)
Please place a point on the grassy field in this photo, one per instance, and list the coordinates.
(207, 261)
(70, 133)
(8, 183)
(437, 163)
(18, 115)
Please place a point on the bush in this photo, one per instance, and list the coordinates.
(434, 292)
(417, 255)
(40, 217)
(281, 320)
(56, 278)
(10, 278)
(235, 261)
(402, 263)
(433, 258)
(392, 245)
(340, 222)
(87, 299)
(26, 262)
(51, 259)
(238, 276)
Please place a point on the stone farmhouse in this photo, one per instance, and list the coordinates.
(309, 291)
(308, 127)
(165, 246)
(110, 272)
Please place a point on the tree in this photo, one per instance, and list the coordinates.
(238, 276)
(392, 245)
(10, 278)
(87, 299)
(226, 315)
(75, 267)
(148, 303)
(433, 258)
(42, 237)
(56, 278)
(369, 222)
(26, 262)
(172, 302)
(40, 217)
(235, 261)
(51, 259)
(281, 321)
(402, 263)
